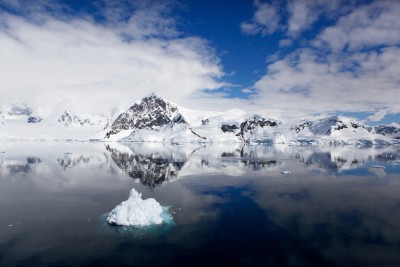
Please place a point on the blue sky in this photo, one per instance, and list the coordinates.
(287, 59)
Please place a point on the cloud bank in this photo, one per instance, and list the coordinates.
(331, 57)
(52, 56)
(352, 65)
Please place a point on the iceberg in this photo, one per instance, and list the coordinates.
(137, 212)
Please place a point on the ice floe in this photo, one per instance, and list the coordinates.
(137, 211)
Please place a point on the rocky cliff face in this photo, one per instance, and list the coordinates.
(150, 113)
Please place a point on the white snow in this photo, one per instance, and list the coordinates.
(136, 212)
(17, 127)
(232, 126)
(286, 172)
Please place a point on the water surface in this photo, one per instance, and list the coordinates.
(340, 206)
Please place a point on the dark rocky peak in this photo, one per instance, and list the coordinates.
(229, 128)
(151, 112)
(257, 121)
(252, 123)
(67, 118)
(248, 124)
(34, 119)
(301, 126)
(153, 103)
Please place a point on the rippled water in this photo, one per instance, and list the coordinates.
(339, 206)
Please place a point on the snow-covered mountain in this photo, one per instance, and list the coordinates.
(336, 130)
(67, 119)
(151, 119)
(249, 129)
(22, 123)
(154, 119)
(386, 130)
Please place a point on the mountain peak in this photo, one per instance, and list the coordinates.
(67, 118)
(151, 112)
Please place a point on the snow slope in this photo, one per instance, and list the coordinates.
(64, 126)
(387, 130)
(335, 130)
(154, 119)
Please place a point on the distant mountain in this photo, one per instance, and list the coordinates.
(389, 131)
(67, 119)
(34, 119)
(154, 119)
(336, 130)
(22, 123)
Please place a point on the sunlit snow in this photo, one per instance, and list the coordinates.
(136, 211)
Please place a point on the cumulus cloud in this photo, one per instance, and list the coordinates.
(285, 42)
(367, 26)
(305, 83)
(265, 21)
(304, 13)
(379, 115)
(63, 59)
(291, 16)
(353, 65)
(301, 16)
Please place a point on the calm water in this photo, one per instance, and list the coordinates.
(231, 205)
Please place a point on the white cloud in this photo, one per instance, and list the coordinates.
(367, 26)
(303, 83)
(379, 115)
(285, 42)
(74, 62)
(301, 15)
(315, 80)
(304, 13)
(265, 21)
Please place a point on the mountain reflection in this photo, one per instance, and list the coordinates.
(18, 166)
(155, 164)
(150, 169)
(69, 161)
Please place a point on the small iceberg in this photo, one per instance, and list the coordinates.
(137, 212)
(286, 172)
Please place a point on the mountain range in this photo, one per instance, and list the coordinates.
(154, 119)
